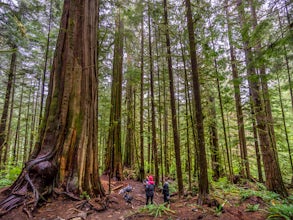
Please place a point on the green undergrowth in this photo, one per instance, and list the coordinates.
(275, 206)
(156, 210)
(281, 211)
(9, 175)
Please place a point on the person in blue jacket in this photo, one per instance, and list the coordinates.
(166, 193)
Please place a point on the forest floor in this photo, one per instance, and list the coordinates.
(63, 208)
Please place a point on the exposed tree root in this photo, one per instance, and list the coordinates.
(97, 205)
(32, 185)
(68, 194)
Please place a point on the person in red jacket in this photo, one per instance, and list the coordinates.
(149, 190)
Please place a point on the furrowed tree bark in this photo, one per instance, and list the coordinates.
(66, 154)
(203, 175)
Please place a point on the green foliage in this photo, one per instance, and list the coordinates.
(157, 210)
(84, 195)
(265, 195)
(252, 207)
(9, 175)
(281, 211)
(219, 209)
(221, 183)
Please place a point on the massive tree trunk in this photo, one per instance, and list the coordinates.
(66, 154)
(203, 174)
(173, 107)
(114, 152)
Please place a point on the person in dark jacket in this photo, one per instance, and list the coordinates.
(166, 192)
(149, 190)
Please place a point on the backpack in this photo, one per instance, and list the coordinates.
(149, 189)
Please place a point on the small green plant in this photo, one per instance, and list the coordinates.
(252, 207)
(281, 211)
(84, 195)
(157, 210)
(219, 209)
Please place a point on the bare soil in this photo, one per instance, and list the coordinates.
(64, 208)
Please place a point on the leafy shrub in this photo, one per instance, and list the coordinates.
(156, 210)
(281, 211)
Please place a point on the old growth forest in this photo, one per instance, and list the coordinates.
(96, 95)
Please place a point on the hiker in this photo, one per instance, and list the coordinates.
(149, 190)
(166, 192)
(126, 193)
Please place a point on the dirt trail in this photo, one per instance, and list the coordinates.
(62, 208)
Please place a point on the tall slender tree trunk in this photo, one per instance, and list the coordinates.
(166, 126)
(256, 142)
(129, 140)
(46, 61)
(288, 70)
(33, 121)
(158, 63)
(4, 116)
(142, 169)
(8, 137)
(187, 114)
(274, 181)
(285, 123)
(26, 136)
(16, 147)
(286, 56)
(173, 105)
(67, 154)
(214, 142)
(203, 175)
(237, 97)
(114, 151)
(153, 111)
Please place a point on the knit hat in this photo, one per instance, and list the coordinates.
(151, 180)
